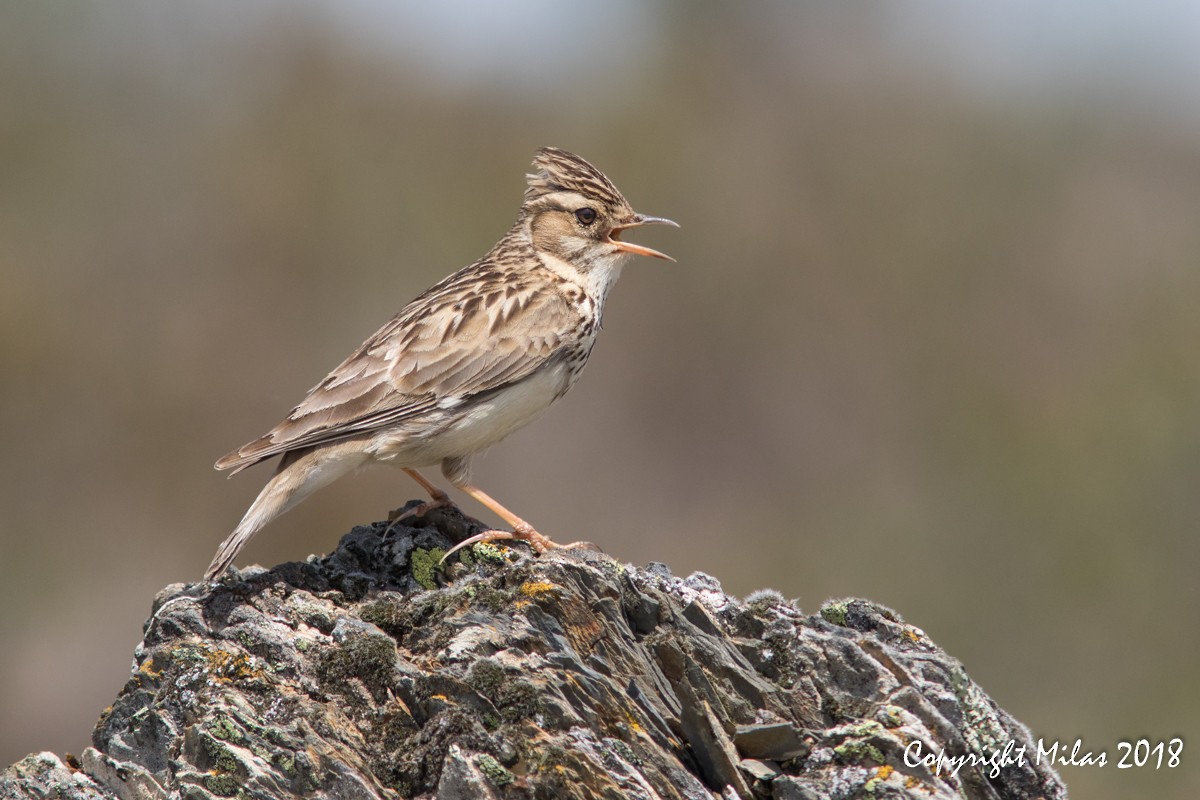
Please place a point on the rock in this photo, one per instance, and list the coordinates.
(760, 770)
(45, 775)
(779, 741)
(376, 673)
(463, 780)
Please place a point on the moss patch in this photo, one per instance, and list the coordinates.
(368, 657)
(487, 678)
(392, 616)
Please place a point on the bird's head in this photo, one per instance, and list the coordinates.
(575, 213)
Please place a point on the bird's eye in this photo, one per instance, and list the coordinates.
(586, 216)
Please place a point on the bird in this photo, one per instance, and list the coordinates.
(472, 359)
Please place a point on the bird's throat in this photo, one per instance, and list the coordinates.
(595, 276)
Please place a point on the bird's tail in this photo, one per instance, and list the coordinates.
(298, 476)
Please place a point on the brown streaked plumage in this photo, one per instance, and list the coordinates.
(466, 363)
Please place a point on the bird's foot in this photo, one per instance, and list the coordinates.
(440, 500)
(421, 509)
(525, 533)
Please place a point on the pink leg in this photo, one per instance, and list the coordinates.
(440, 499)
(520, 528)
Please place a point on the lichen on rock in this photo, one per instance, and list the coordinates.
(376, 672)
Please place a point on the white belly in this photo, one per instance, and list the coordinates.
(481, 426)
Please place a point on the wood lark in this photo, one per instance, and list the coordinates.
(474, 358)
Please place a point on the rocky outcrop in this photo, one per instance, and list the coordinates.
(376, 673)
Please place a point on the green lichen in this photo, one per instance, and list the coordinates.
(226, 730)
(488, 553)
(614, 568)
(494, 770)
(424, 566)
(222, 785)
(983, 730)
(223, 759)
(546, 758)
(286, 763)
(41, 766)
(272, 735)
(855, 751)
(892, 716)
(185, 655)
(835, 612)
(857, 747)
(866, 728)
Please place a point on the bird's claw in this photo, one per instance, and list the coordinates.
(485, 536)
(422, 509)
(526, 533)
(537, 541)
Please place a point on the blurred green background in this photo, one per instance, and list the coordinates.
(932, 338)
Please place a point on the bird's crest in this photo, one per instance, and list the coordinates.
(559, 171)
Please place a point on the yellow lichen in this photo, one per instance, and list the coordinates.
(149, 671)
(230, 666)
(535, 588)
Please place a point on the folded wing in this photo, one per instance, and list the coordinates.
(473, 333)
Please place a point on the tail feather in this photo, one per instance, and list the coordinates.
(298, 476)
(269, 505)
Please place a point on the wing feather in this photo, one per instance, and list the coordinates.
(475, 332)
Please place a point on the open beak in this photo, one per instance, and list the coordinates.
(636, 249)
